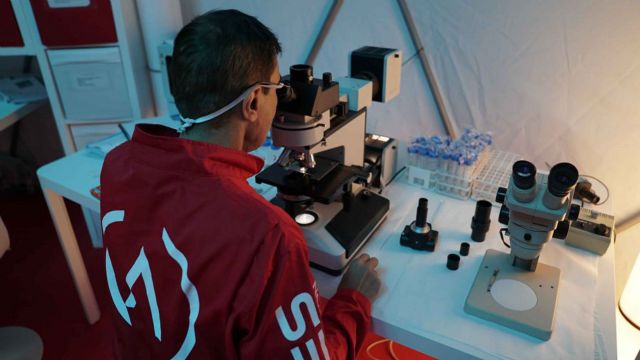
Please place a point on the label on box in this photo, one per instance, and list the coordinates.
(68, 3)
(91, 81)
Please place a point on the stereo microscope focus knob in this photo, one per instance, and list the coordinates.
(574, 212)
(501, 195)
(503, 218)
(562, 230)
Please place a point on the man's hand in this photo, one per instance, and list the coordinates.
(362, 276)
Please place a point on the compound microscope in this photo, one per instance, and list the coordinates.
(515, 290)
(329, 166)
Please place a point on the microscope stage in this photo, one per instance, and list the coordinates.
(321, 183)
(522, 300)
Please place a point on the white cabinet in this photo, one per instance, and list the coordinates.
(84, 135)
(91, 83)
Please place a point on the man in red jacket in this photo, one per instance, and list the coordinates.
(198, 264)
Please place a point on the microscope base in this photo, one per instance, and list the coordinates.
(338, 235)
(522, 300)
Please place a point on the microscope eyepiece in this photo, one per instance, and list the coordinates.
(301, 73)
(524, 174)
(286, 94)
(421, 213)
(562, 178)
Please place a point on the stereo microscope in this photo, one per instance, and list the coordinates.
(515, 290)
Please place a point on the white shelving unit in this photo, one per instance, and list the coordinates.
(75, 133)
(131, 47)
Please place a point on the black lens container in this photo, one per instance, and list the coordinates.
(481, 221)
(464, 249)
(453, 262)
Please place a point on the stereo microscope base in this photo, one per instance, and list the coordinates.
(519, 299)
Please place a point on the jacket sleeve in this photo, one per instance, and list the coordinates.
(283, 321)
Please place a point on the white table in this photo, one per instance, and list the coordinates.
(74, 176)
(11, 113)
(454, 228)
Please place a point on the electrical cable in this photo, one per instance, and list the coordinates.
(412, 56)
(503, 232)
(594, 178)
(392, 353)
(637, 326)
(601, 183)
(372, 345)
(392, 178)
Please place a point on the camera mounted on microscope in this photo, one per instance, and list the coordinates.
(310, 110)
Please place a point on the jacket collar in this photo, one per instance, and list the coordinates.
(160, 146)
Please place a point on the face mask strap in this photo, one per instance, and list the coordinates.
(188, 122)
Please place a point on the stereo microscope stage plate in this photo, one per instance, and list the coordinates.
(519, 299)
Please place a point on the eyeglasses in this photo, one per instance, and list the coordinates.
(270, 85)
(187, 122)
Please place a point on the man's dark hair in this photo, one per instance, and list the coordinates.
(216, 57)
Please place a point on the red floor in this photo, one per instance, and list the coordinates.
(36, 290)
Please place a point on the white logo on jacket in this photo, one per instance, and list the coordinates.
(294, 334)
(142, 269)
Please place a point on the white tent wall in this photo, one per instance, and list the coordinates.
(359, 23)
(553, 80)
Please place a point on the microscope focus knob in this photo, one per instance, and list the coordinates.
(503, 218)
(561, 230)
(501, 195)
(326, 79)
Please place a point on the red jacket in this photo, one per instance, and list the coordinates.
(200, 265)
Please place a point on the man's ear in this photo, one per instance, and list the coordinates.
(250, 106)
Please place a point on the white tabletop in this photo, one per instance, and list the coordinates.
(10, 113)
(421, 304)
(74, 176)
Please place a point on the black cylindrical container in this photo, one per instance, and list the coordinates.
(453, 262)
(464, 249)
(481, 221)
